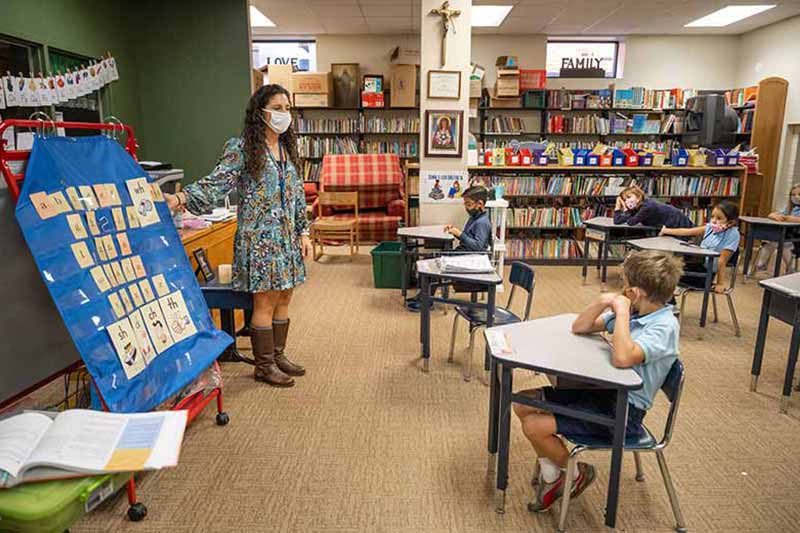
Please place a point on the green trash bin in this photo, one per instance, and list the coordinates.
(386, 258)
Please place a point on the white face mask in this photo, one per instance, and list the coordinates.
(279, 121)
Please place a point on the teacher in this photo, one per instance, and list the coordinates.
(272, 234)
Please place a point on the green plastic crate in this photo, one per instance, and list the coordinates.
(55, 505)
(386, 258)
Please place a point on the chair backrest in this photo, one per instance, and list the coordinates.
(347, 200)
(672, 389)
(378, 177)
(524, 276)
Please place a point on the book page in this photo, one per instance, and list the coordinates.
(19, 436)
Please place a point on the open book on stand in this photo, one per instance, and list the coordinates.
(36, 446)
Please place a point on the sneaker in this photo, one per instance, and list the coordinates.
(547, 494)
(584, 479)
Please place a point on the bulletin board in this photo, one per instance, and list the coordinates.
(108, 252)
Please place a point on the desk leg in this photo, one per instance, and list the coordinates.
(403, 267)
(504, 439)
(779, 253)
(706, 291)
(494, 409)
(794, 347)
(231, 353)
(761, 337)
(621, 422)
(425, 321)
(490, 309)
(748, 253)
(585, 258)
(605, 259)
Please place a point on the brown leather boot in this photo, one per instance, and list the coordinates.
(281, 331)
(264, 353)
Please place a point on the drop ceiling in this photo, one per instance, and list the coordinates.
(565, 17)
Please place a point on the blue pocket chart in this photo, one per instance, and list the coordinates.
(103, 239)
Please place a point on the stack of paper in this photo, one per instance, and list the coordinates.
(466, 264)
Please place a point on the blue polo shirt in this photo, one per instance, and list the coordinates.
(657, 334)
(795, 211)
(726, 240)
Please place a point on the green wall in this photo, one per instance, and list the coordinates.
(85, 27)
(193, 60)
(184, 66)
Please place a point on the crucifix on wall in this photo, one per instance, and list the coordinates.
(447, 16)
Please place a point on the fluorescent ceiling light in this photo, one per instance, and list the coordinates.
(257, 19)
(728, 15)
(489, 16)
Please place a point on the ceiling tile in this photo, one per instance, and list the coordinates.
(344, 25)
(337, 10)
(398, 9)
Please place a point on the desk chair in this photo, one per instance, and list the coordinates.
(672, 388)
(683, 292)
(337, 228)
(522, 275)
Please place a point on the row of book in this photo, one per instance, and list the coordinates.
(327, 125)
(690, 186)
(746, 121)
(577, 124)
(565, 99)
(389, 125)
(658, 146)
(545, 217)
(311, 169)
(504, 124)
(672, 124)
(401, 148)
(316, 147)
(539, 248)
(740, 97)
(642, 98)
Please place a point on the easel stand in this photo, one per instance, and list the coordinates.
(12, 166)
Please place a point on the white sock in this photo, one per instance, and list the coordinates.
(550, 471)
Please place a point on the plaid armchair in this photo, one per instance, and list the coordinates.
(378, 180)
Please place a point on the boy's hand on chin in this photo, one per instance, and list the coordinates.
(621, 304)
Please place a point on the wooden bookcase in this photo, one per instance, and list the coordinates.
(767, 134)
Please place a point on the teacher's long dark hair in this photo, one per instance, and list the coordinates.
(254, 132)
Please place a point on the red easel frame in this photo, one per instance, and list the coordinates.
(194, 403)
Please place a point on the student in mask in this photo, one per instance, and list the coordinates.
(633, 208)
(790, 213)
(477, 233)
(272, 234)
(721, 234)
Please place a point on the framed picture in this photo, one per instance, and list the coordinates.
(203, 267)
(444, 133)
(445, 84)
(346, 79)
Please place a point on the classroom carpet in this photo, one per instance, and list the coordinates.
(367, 442)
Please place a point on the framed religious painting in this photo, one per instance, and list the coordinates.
(444, 133)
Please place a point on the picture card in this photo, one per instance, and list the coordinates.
(160, 282)
(118, 273)
(100, 279)
(59, 202)
(111, 248)
(147, 290)
(88, 198)
(112, 277)
(126, 300)
(139, 328)
(91, 220)
(157, 327)
(113, 194)
(43, 205)
(119, 218)
(76, 226)
(74, 198)
(141, 195)
(133, 218)
(116, 305)
(136, 295)
(179, 321)
(138, 267)
(82, 254)
(127, 347)
(101, 248)
(158, 196)
(102, 194)
(127, 269)
(124, 244)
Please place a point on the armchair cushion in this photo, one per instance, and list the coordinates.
(396, 208)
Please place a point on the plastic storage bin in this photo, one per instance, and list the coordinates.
(386, 259)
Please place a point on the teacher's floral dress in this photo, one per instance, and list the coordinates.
(267, 247)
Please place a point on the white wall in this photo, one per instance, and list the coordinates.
(371, 52)
(774, 51)
(529, 49)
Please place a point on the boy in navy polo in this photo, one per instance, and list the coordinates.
(477, 233)
(644, 337)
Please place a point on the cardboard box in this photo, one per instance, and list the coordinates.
(505, 103)
(312, 100)
(372, 100)
(474, 88)
(279, 75)
(312, 82)
(507, 86)
(404, 86)
(404, 56)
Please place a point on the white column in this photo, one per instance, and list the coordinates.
(459, 46)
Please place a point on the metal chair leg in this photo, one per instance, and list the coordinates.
(453, 339)
(639, 472)
(714, 306)
(673, 497)
(737, 330)
(468, 361)
(562, 520)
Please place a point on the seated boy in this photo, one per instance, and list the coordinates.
(645, 338)
(477, 233)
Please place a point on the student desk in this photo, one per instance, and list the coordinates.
(766, 229)
(603, 231)
(428, 270)
(428, 233)
(782, 301)
(548, 345)
(679, 247)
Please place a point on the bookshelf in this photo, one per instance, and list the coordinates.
(329, 130)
